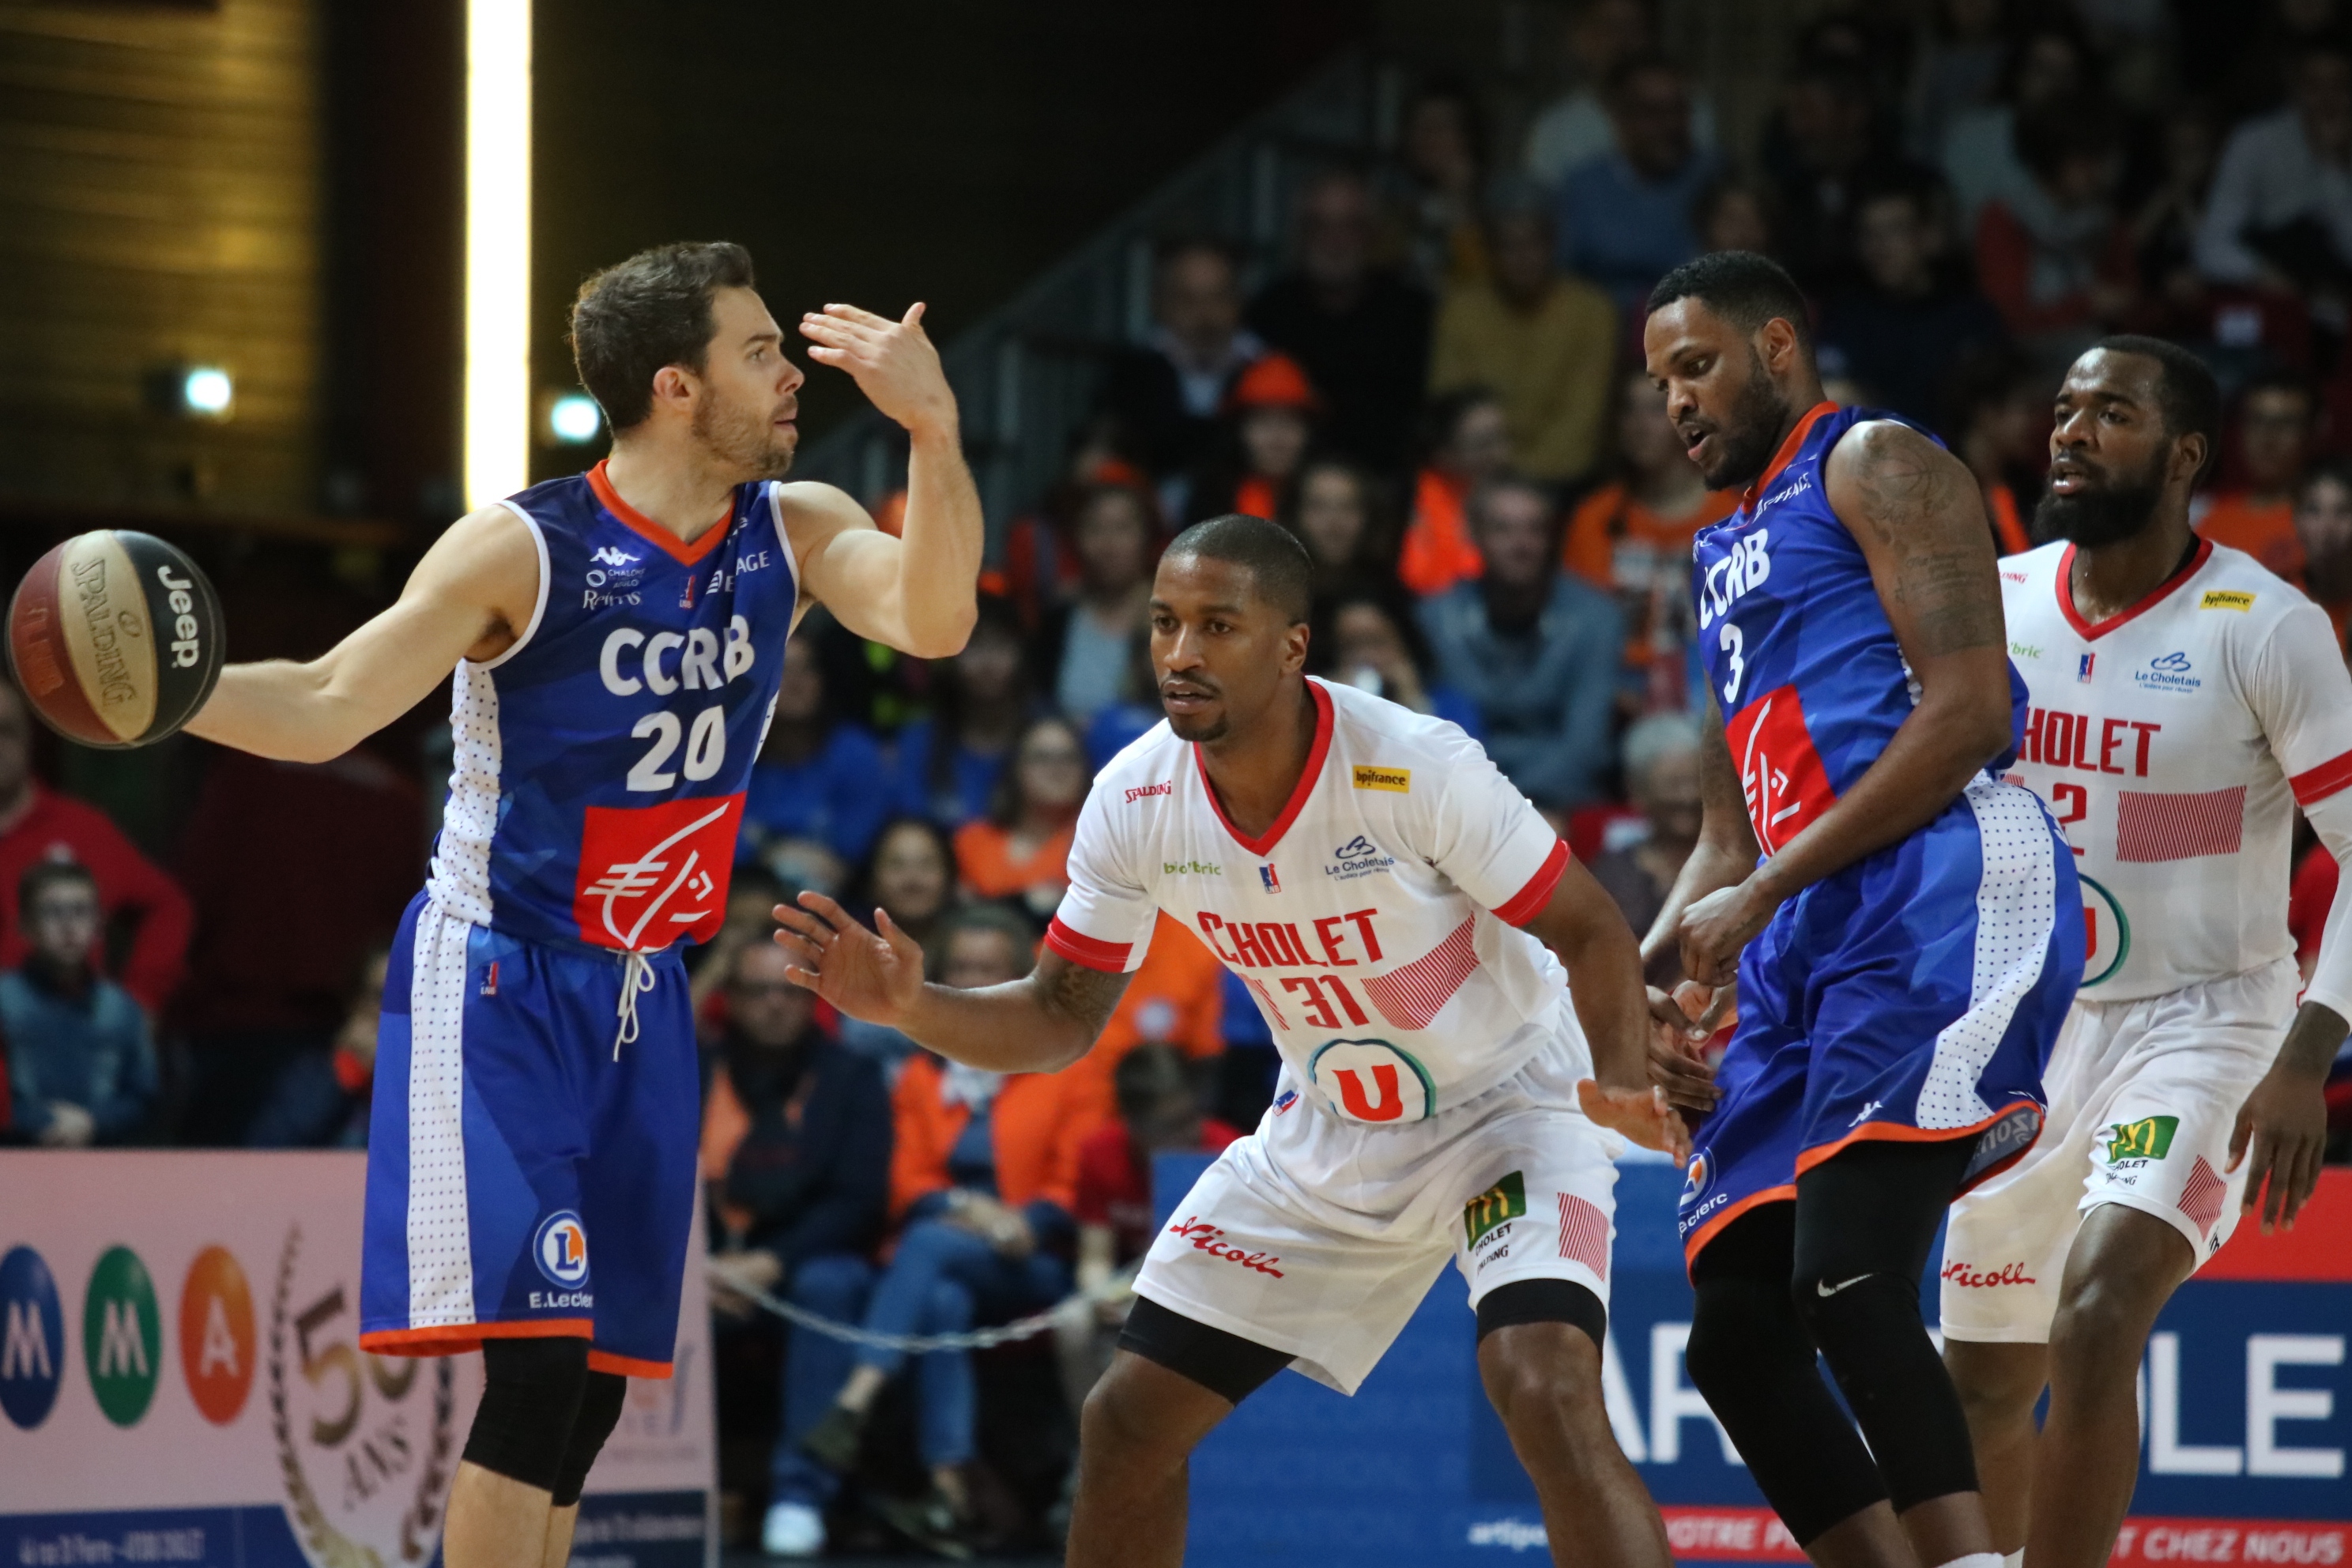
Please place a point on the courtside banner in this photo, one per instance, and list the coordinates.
(2246, 1400)
(181, 1382)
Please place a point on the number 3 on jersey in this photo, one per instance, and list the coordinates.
(1730, 641)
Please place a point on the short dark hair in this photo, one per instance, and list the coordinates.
(1276, 560)
(654, 309)
(999, 919)
(1743, 287)
(2188, 397)
(1474, 505)
(43, 875)
(2285, 381)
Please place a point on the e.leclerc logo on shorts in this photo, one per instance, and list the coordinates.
(561, 1248)
(32, 1338)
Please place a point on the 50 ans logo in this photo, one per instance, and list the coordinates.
(366, 1444)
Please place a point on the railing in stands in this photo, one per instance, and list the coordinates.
(1025, 375)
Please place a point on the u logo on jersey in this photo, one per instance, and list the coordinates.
(560, 1248)
(1372, 1080)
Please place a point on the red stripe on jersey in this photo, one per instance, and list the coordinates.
(2092, 631)
(2315, 784)
(1264, 846)
(1272, 1008)
(2151, 827)
(1413, 994)
(1584, 1234)
(1528, 901)
(1110, 957)
(2202, 1196)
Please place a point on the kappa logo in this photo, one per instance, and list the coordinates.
(611, 556)
(560, 1250)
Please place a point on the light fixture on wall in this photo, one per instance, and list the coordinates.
(207, 393)
(497, 460)
(574, 419)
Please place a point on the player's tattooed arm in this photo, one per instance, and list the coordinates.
(1917, 512)
(1040, 1022)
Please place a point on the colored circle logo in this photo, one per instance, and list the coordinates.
(2106, 931)
(1372, 1080)
(32, 1338)
(216, 1335)
(561, 1248)
(1696, 1180)
(121, 1336)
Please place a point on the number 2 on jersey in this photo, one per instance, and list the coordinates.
(1314, 987)
(706, 748)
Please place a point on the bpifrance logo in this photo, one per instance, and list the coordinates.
(561, 1249)
(32, 1338)
(123, 1336)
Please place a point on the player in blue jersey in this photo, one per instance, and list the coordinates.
(617, 638)
(1902, 925)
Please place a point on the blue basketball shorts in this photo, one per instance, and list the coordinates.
(523, 1179)
(1914, 996)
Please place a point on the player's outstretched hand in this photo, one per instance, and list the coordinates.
(1681, 1026)
(873, 978)
(1640, 1114)
(893, 362)
(2285, 1122)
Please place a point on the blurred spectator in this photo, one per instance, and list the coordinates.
(984, 1175)
(1542, 343)
(2255, 69)
(81, 1065)
(1268, 423)
(2048, 63)
(946, 763)
(913, 879)
(322, 1098)
(2280, 217)
(1819, 150)
(1020, 850)
(817, 791)
(1173, 997)
(1159, 1112)
(1959, 68)
(1625, 216)
(1631, 538)
(2323, 523)
(1442, 154)
(1337, 509)
(1662, 775)
(1575, 128)
(1081, 650)
(1910, 318)
(37, 824)
(1471, 443)
(1536, 650)
(1731, 213)
(2168, 220)
(1166, 396)
(796, 1163)
(1360, 332)
(1041, 557)
(1376, 646)
(1997, 420)
(2273, 437)
(752, 895)
(2052, 254)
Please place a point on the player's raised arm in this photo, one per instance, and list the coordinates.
(471, 597)
(1040, 1022)
(916, 592)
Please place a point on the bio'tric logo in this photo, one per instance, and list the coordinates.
(216, 1335)
(32, 1338)
(561, 1248)
(121, 1336)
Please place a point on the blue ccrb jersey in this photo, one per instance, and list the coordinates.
(1798, 649)
(597, 784)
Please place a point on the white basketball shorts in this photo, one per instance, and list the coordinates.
(2143, 1097)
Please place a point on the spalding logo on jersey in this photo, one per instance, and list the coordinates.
(561, 1248)
(651, 874)
(1372, 1080)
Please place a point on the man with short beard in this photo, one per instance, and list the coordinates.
(617, 638)
(2185, 702)
(1903, 923)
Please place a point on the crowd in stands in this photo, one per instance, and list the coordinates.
(1440, 390)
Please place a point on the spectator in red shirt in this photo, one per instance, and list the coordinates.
(1158, 1114)
(37, 824)
(2055, 255)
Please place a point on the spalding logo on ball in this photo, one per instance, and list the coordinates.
(114, 637)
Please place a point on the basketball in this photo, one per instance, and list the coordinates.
(114, 637)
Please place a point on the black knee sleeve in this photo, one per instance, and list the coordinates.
(1222, 1362)
(1543, 1301)
(531, 1391)
(1750, 1355)
(599, 1411)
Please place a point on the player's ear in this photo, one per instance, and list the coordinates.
(675, 386)
(1294, 646)
(2187, 459)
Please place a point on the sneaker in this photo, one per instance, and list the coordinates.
(930, 1521)
(792, 1530)
(834, 1441)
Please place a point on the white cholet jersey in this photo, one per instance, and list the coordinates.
(2173, 742)
(1375, 923)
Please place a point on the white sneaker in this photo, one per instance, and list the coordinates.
(792, 1530)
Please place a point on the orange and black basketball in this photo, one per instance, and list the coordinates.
(114, 637)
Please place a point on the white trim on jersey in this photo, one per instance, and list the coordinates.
(546, 575)
(792, 563)
(440, 1235)
(460, 875)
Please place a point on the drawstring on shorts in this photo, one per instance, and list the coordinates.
(637, 978)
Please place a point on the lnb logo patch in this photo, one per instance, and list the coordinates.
(561, 1249)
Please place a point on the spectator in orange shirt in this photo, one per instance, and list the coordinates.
(1173, 997)
(2323, 524)
(1632, 537)
(2275, 415)
(984, 1175)
(1471, 445)
(1021, 850)
(1269, 422)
